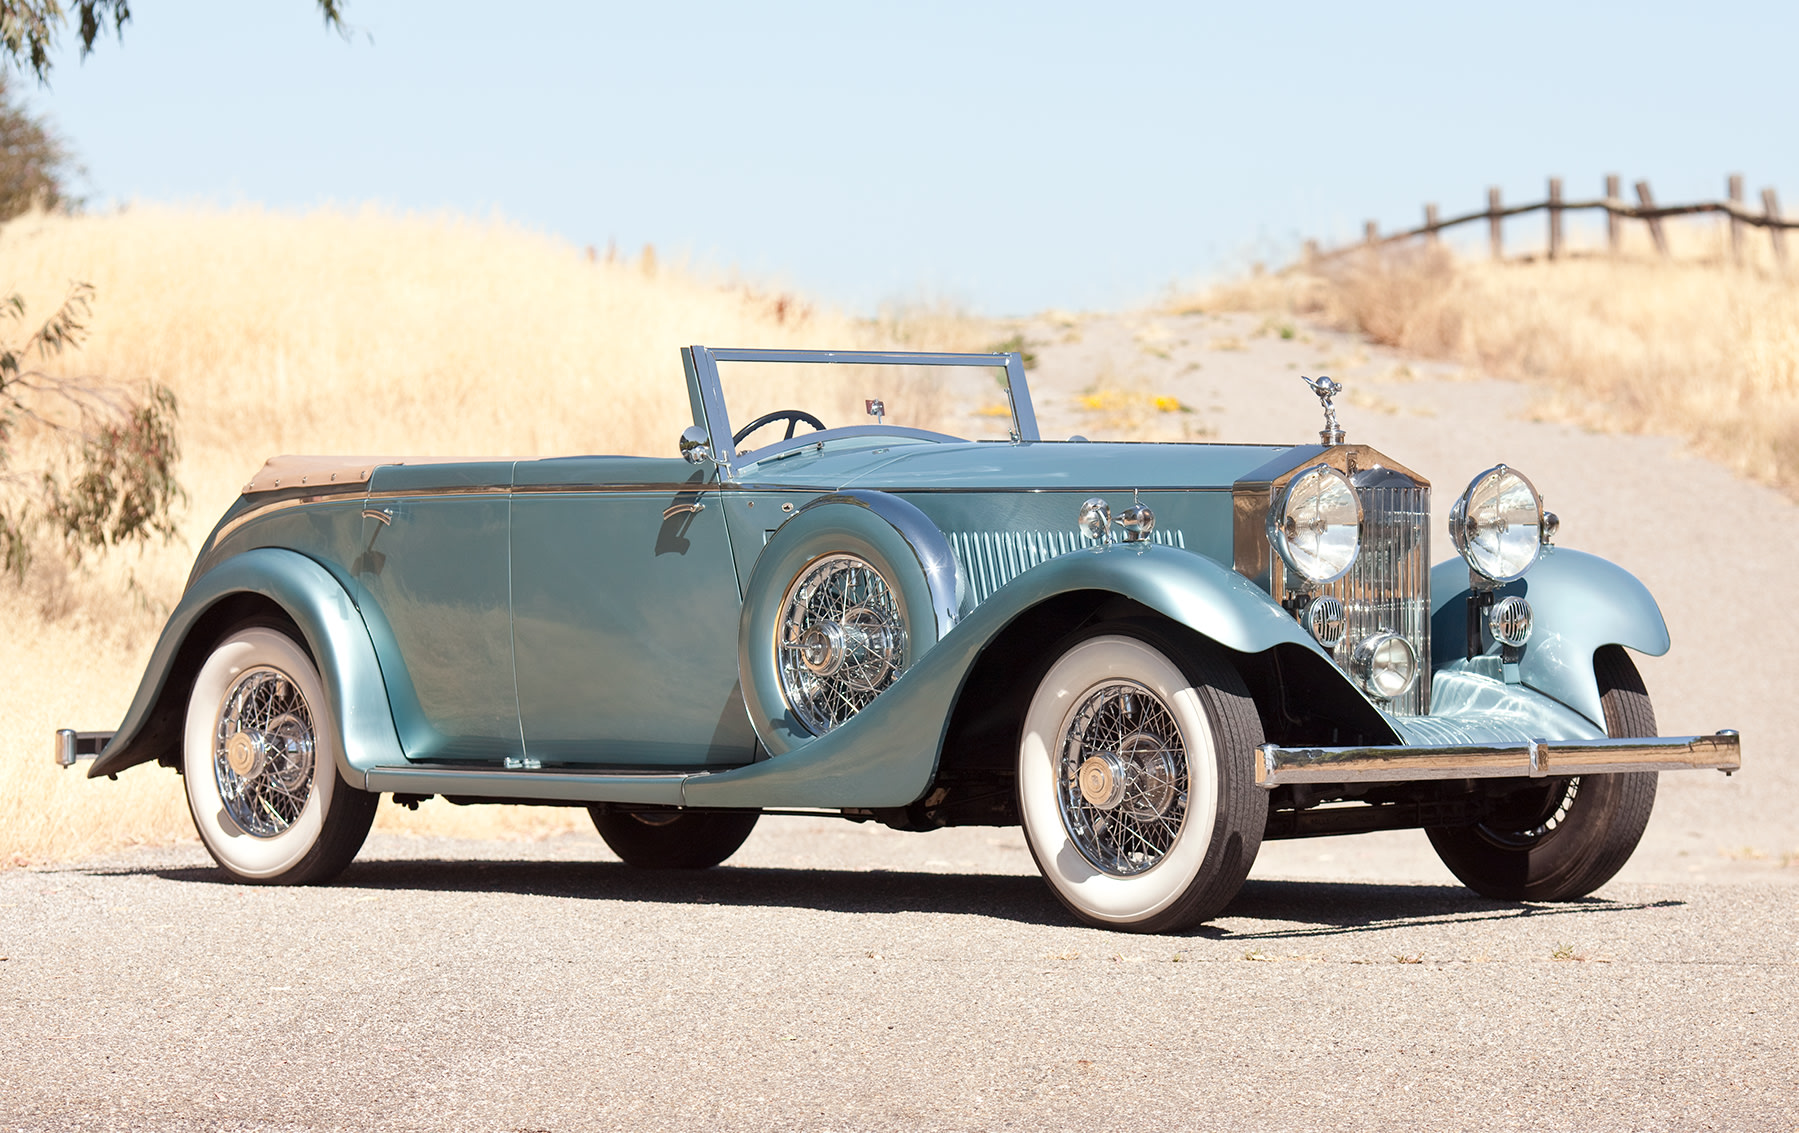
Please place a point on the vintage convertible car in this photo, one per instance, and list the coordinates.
(1149, 656)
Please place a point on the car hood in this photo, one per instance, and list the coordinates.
(1063, 465)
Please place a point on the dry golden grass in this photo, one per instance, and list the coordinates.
(336, 331)
(1693, 346)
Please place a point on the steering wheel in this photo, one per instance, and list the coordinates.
(792, 416)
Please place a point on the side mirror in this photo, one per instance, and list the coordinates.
(694, 444)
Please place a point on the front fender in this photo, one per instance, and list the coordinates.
(887, 754)
(1579, 603)
(334, 632)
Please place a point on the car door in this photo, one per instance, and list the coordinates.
(432, 582)
(625, 609)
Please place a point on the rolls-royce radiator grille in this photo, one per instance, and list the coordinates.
(1388, 587)
(990, 559)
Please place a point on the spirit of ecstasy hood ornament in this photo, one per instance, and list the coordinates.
(1326, 389)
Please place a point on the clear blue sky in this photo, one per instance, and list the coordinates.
(1010, 157)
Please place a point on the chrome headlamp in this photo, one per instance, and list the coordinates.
(1498, 524)
(1316, 525)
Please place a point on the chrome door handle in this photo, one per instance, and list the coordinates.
(682, 509)
(380, 515)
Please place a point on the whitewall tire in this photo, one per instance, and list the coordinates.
(1135, 780)
(259, 760)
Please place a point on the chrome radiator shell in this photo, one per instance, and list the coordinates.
(1388, 587)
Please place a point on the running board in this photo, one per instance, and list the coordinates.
(532, 785)
(1279, 766)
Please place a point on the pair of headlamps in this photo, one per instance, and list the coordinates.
(1498, 525)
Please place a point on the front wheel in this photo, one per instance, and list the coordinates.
(1135, 781)
(669, 839)
(259, 758)
(1570, 836)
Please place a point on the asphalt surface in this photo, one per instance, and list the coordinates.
(508, 986)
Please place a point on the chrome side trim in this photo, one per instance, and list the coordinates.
(1278, 766)
(237, 521)
(911, 490)
(559, 785)
(459, 490)
(597, 489)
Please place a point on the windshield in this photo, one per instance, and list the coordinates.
(800, 394)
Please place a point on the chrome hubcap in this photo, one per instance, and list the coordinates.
(244, 755)
(1122, 784)
(841, 640)
(821, 649)
(1103, 779)
(263, 752)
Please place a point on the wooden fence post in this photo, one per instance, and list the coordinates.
(1613, 226)
(1555, 218)
(1310, 253)
(1771, 209)
(1655, 222)
(1496, 224)
(1736, 222)
(1430, 225)
(1371, 233)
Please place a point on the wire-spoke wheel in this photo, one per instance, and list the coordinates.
(1135, 783)
(1565, 838)
(259, 759)
(841, 640)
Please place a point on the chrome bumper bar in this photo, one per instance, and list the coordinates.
(72, 746)
(1279, 766)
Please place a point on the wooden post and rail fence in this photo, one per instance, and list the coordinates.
(1616, 212)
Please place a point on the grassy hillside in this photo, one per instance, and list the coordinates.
(334, 331)
(1694, 346)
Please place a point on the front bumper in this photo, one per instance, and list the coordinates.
(1279, 766)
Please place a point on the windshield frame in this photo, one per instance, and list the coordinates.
(705, 391)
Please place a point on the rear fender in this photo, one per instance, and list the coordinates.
(1579, 603)
(334, 633)
(887, 755)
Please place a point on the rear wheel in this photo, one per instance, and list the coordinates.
(259, 760)
(668, 839)
(1135, 781)
(1573, 835)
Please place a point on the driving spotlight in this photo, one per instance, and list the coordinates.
(1316, 524)
(1095, 519)
(1498, 524)
(1138, 524)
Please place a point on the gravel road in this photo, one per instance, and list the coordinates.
(834, 976)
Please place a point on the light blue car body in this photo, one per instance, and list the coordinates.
(594, 629)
